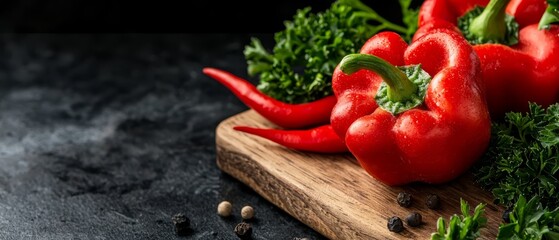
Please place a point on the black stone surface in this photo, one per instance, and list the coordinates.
(109, 136)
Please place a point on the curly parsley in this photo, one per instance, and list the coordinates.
(305, 54)
(523, 157)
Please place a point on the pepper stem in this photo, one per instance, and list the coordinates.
(550, 16)
(491, 23)
(400, 87)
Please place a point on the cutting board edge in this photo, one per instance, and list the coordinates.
(232, 161)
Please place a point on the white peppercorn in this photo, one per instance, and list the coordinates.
(224, 209)
(247, 212)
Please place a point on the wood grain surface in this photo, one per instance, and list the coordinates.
(332, 193)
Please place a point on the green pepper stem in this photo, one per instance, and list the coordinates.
(491, 23)
(400, 87)
(550, 16)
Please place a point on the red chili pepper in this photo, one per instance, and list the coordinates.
(518, 66)
(321, 139)
(282, 114)
(425, 120)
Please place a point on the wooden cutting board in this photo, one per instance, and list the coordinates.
(332, 193)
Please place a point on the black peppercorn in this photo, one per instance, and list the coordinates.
(243, 230)
(506, 215)
(414, 219)
(182, 223)
(404, 199)
(433, 201)
(395, 224)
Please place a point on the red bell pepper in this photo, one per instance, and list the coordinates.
(519, 59)
(285, 115)
(425, 120)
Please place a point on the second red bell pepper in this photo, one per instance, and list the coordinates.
(519, 58)
(412, 113)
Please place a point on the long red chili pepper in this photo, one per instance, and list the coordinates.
(282, 114)
(321, 139)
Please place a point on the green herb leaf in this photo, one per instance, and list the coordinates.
(523, 157)
(410, 16)
(464, 227)
(530, 221)
(299, 67)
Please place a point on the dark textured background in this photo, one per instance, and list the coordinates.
(106, 136)
(205, 16)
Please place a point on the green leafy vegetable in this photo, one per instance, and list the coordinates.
(523, 157)
(306, 52)
(551, 14)
(465, 227)
(530, 221)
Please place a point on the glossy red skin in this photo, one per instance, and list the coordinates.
(525, 12)
(320, 139)
(285, 115)
(433, 143)
(512, 75)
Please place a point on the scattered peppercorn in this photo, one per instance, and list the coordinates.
(247, 212)
(243, 230)
(224, 209)
(395, 224)
(506, 215)
(433, 201)
(404, 199)
(182, 223)
(414, 219)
